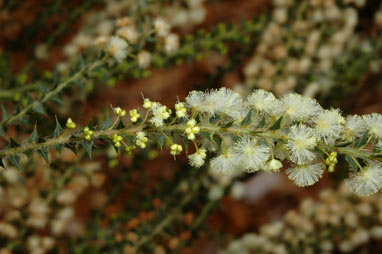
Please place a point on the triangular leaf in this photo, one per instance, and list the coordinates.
(28, 153)
(362, 141)
(58, 130)
(218, 140)
(15, 160)
(185, 142)
(261, 124)
(13, 143)
(206, 135)
(34, 136)
(58, 148)
(88, 147)
(247, 119)
(107, 123)
(352, 163)
(160, 139)
(44, 153)
(4, 113)
(277, 124)
(39, 109)
(2, 133)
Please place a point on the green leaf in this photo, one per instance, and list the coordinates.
(247, 119)
(160, 139)
(43, 152)
(4, 113)
(58, 130)
(277, 124)
(15, 160)
(58, 148)
(320, 152)
(228, 125)
(218, 141)
(2, 133)
(206, 135)
(107, 123)
(34, 136)
(362, 141)
(214, 119)
(28, 153)
(185, 142)
(120, 125)
(262, 123)
(88, 147)
(39, 109)
(13, 143)
(352, 163)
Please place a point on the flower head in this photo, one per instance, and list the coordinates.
(299, 108)
(118, 48)
(301, 141)
(171, 43)
(197, 159)
(305, 175)
(225, 163)
(273, 165)
(251, 155)
(162, 28)
(224, 101)
(329, 125)
(367, 181)
(374, 123)
(263, 101)
(195, 100)
(160, 113)
(355, 125)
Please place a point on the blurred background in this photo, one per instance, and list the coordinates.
(149, 203)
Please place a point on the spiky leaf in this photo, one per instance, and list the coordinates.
(34, 136)
(362, 141)
(4, 113)
(88, 145)
(44, 153)
(160, 139)
(277, 124)
(247, 119)
(39, 109)
(15, 160)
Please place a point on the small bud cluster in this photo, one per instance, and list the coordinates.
(70, 124)
(88, 133)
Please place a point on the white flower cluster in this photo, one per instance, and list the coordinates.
(302, 42)
(314, 227)
(294, 127)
